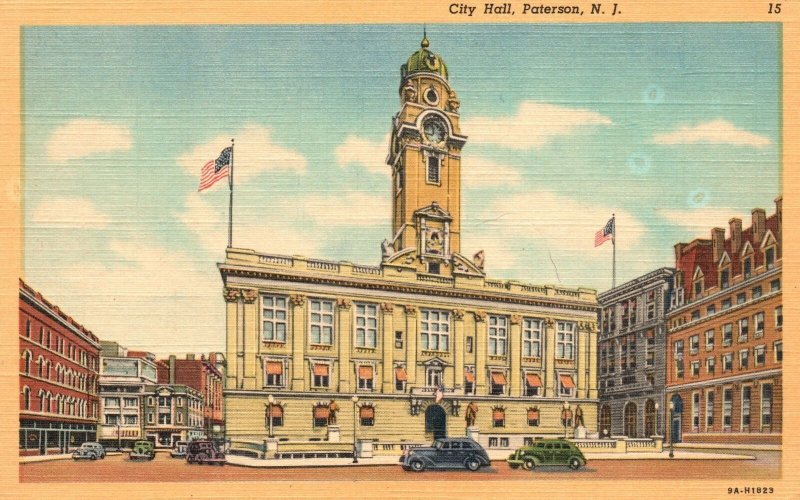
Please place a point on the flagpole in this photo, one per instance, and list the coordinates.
(230, 202)
(613, 252)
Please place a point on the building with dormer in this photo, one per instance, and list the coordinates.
(318, 350)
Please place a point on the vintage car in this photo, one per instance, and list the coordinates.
(89, 450)
(547, 452)
(142, 450)
(446, 453)
(203, 451)
(179, 450)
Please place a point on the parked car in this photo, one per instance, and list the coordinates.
(547, 452)
(203, 451)
(179, 450)
(446, 453)
(89, 450)
(142, 450)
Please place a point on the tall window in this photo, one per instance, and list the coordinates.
(724, 278)
(779, 317)
(565, 340)
(533, 417)
(366, 378)
(696, 411)
(727, 362)
(743, 359)
(727, 334)
(650, 304)
(321, 413)
(759, 352)
(710, 362)
(321, 375)
(533, 384)
(26, 398)
(531, 337)
(758, 324)
(709, 410)
(743, 329)
(366, 415)
(694, 344)
(498, 417)
(727, 407)
(777, 348)
(769, 257)
(274, 375)
(435, 330)
(469, 380)
(747, 267)
(756, 292)
(679, 358)
(709, 340)
(366, 325)
(766, 404)
(273, 317)
(434, 166)
(433, 376)
(746, 390)
(498, 335)
(164, 418)
(498, 384)
(277, 416)
(321, 323)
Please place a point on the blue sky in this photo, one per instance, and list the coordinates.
(673, 127)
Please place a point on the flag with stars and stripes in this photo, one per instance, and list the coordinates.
(215, 169)
(604, 234)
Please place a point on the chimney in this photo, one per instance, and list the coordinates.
(190, 357)
(212, 359)
(717, 243)
(735, 225)
(759, 223)
(779, 214)
(679, 253)
(172, 362)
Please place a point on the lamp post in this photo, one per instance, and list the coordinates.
(566, 415)
(271, 400)
(119, 436)
(656, 405)
(671, 410)
(355, 418)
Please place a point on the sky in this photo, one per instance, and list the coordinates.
(674, 128)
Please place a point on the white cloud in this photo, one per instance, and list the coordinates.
(479, 172)
(699, 221)
(536, 124)
(713, 132)
(84, 137)
(348, 209)
(255, 152)
(365, 153)
(69, 213)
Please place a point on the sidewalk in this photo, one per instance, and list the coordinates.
(496, 456)
(64, 456)
(725, 446)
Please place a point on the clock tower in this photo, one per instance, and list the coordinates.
(425, 158)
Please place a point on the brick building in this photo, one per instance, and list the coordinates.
(725, 348)
(58, 366)
(203, 375)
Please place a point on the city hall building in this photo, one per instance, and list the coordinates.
(402, 352)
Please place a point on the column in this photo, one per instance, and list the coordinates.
(232, 348)
(580, 353)
(591, 361)
(387, 344)
(251, 342)
(411, 344)
(515, 351)
(298, 341)
(458, 349)
(345, 332)
(481, 342)
(549, 371)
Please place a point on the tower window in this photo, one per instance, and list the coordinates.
(399, 185)
(434, 165)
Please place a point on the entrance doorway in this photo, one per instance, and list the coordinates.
(436, 421)
(675, 425)
(629, 420)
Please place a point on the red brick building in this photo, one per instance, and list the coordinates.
(58, 371)
(725, 330)
(202, 375)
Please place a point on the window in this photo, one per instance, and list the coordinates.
(28, 328)
(533, 417)
(743, 329)
(709, 340)
(766, 404)
(726, 304)
(112, 402)
(678, 358)
(759, 354)
(179, 401)
(398, 340)
(727, 362)
(696, 411)
(727, 407)
(321, 322)
(695, 368)
(533, 384)
(130, 402)
(498, 335)
(775, 285)
(112, 419)
(366, 325)
(26, 398)
(433, 376)
(469, 344)
(469, 380)
(321, 375)
(694, 344)
(565, 340)
(727, 334)
(695, 314)
(277, 415)
(179, 418)
(164, 418)
(710, 365)
(366, 415)
(779, 317)
(758, 324)
(712, 309)
(150, 400)
(400, 378)
(321, 412)
(743, 358)
(741, 298)
(650, 304)
(400, 173)
(724, 278)
(709, 410)
(566, 385)
(434, 166)
(498, 384)
(273, 317)
(434, 268)
(777, 348)
(435, 330)
(769, 257)
(756, 292)
(531, 337)
(274, 375)
(746, 390)
(498, 417)
(163, 401)
(149, 418)
(365, 378)
(131, 420)
(698, 288)
(747, 267)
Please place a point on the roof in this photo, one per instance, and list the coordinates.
(55, 311)
(425, 61)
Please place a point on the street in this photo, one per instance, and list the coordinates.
(165, 469)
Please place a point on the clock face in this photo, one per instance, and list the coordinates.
(434, 130)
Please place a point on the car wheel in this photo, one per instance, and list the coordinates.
(529, 464)
(574, 463)
(472, 464)
(92, 457)
(514, 466)
(417, 465)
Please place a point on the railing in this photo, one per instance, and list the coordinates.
(595, 443)
(534, 289)
(367, 269)
(324, 265)
(568, 293)
(496, 284)
(435, 279)
(640, 443)
(275, 259)
(395, 448)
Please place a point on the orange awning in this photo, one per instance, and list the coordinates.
(533, 414)
(367, 412)
(533, 380)
(469, 377)
(321, 412)
(277, 411)
(365, 372)
(401, 374)
(321, 370)
(498, 414)
(566, 381)
(498, 378)
(274, 367)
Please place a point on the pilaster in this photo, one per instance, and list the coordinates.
(233, 349)
(411, 343)
(298, 341)
(345, 332)
(481, 344)
(386, 340)
(459, 347)
(515, 351)
(250, 320)
(548, 371)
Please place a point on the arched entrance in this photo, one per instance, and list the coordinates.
(675, 427)
(436, 421)
(650, 418)
(605, 421)
(629, 420)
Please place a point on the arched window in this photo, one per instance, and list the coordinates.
(28, 328)
(44, 404)
(366, 415)
(533, 417)
(605, 421)
(40, 366)
(26, 398)
(277, 415)
(25, 365)
(629, 420)
(650, 418)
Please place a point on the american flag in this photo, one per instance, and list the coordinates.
(439, 394)
(215, 169)
(604, 234)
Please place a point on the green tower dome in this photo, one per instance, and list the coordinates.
(424, 60)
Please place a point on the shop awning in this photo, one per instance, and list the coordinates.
(567, 382)
(274, 368)
(533, 380)
(400, 374)
(321, 370)
(498, 378)
(365, 372)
